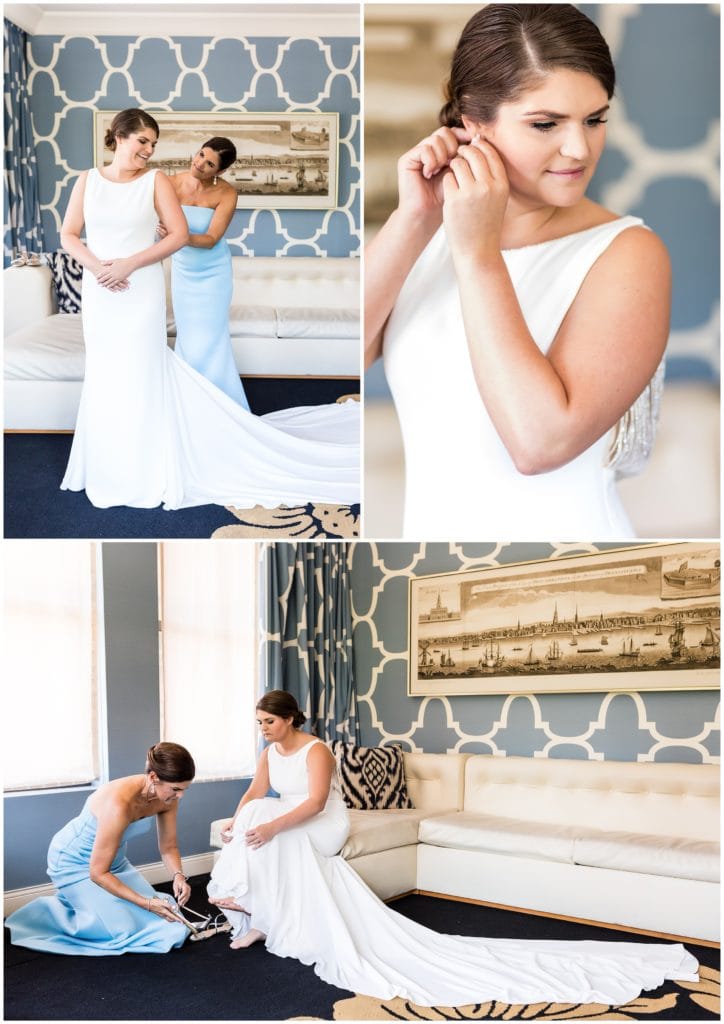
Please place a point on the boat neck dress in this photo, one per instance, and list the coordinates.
(313, 906)
(82, 919)
(202, 287)
(460, 480)
(151, 430)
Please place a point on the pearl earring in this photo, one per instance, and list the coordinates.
(214, 179)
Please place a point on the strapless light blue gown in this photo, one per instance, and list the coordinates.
(83, 919)
(201, 286)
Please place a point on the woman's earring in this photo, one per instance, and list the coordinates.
(214, 179)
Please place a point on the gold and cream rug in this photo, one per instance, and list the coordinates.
(686, 1001)
(299, 522)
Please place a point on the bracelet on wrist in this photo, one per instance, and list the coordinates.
(179, 873)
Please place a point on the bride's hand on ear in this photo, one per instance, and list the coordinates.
(422, 169)
(475, 200)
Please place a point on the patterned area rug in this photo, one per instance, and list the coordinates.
(300, 521)
(687, 1001)
(335, 522)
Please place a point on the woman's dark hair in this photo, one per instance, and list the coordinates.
(505, 48)
(126, 123)
(225, 148)
(171, 762)
(281, 703)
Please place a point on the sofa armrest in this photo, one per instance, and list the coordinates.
(217, 827)
(29, 296)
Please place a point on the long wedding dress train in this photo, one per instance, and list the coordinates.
(151, 430)
(314, 907)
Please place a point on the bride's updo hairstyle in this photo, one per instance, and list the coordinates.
(126, 123)
(506, 49)
(171, 762)
(225, 149)
(282, 704)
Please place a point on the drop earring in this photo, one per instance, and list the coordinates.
(214, 179)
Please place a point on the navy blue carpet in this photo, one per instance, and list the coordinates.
(209, 981)
(34, 466)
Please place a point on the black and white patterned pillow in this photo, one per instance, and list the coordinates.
(67, 276)
(372, 778)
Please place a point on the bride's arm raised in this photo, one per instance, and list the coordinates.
(170, 213)
(320, 768)
(547, 409)
(393, 252)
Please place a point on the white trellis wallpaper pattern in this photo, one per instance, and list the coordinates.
(666, 726)
(73, 75)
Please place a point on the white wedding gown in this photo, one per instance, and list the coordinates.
(460, 480)
(151, 430)
(314, 907)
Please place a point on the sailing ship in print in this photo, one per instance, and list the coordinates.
(711, 639)
(628, 650)
(554, 652)
(620, 619)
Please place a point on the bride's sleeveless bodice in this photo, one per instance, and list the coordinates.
(288, 774)
(120, 217)
(460, 480)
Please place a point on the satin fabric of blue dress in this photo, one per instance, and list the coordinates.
(83, 919)
(201, 286)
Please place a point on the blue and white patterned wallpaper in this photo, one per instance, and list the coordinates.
(662, 161)
(73, 75)
(645, 726)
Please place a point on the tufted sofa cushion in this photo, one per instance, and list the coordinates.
(674, 857)
(599, 795)
(466, 831)
(651, 855)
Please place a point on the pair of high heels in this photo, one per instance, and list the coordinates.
(205, 927)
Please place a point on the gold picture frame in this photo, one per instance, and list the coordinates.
(639, 618)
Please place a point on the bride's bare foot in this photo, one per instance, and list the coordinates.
(227, 903)
(252, 936)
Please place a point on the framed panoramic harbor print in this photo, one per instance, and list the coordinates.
(640, 618)
(284, 161)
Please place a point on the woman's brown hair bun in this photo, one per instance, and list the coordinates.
(171, 762)
(282, 704)
(126, 122)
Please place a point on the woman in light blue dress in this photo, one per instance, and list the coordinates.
(201, 280)
(103, 906)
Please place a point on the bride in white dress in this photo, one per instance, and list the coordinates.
(519, 321)
(278, 879)
(150, 429)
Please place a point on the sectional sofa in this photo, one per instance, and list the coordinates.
(627, 844)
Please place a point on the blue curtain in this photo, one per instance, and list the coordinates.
(307, 621)
(23, 225)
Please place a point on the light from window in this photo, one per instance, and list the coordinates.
(50, 737)
(209, 642)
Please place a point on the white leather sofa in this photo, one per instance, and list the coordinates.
(620, 843)
(289, 317)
